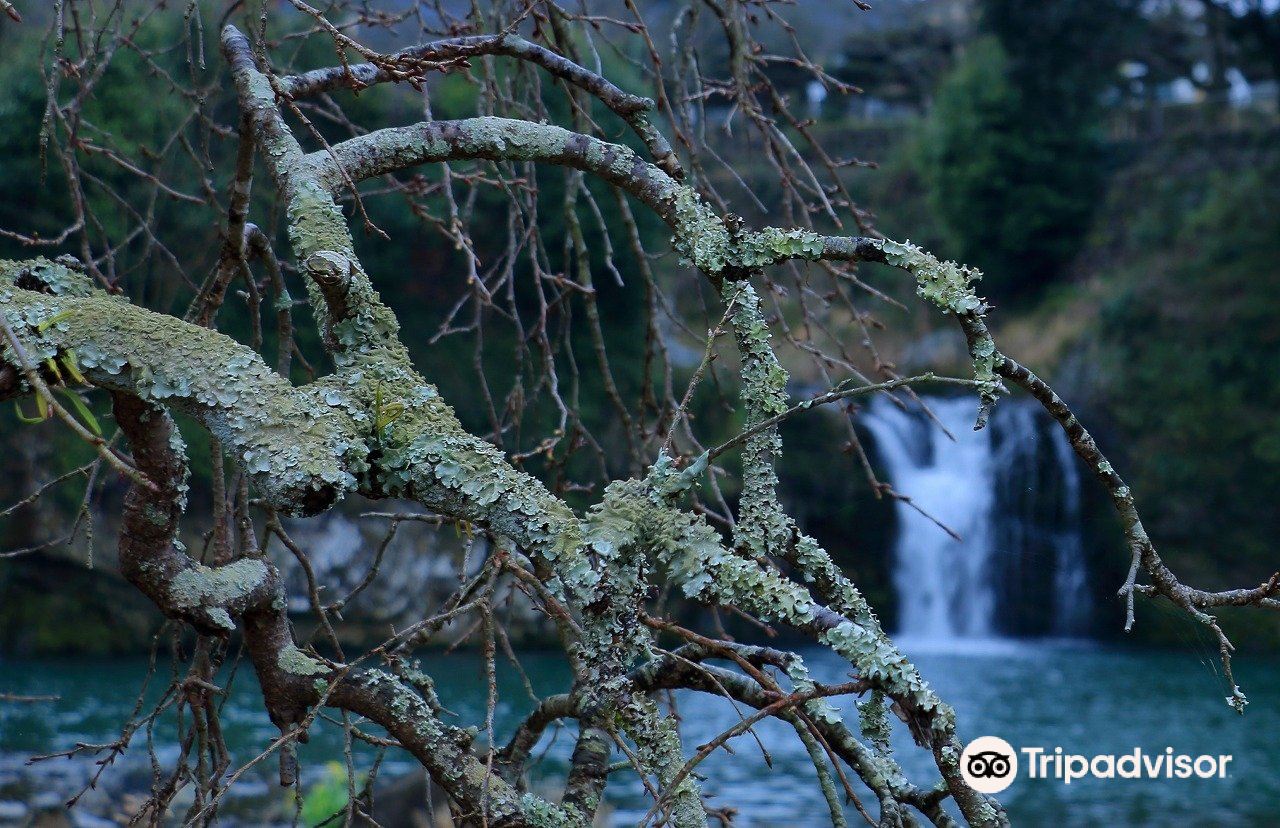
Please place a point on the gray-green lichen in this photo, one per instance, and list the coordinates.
(220, 619)
(704, 239)
(358, 327)
(698, 562)
(873, 721)
(657, 739)
(427, 455)
(950, 286)
(444, 750)
(295, 662)
(814, 564)
(539, 813)
(762, 526)
(701, 239)
(801, 681)
(617, 532)
(202, 586)
(946, 284)
(668, 481)
(61, 277)
(298, 458)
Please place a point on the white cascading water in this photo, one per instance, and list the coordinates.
(1070, 578)
(949, 589)
(944, 586)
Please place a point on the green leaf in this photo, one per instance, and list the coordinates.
(52, 365)
(83, 410)
(73, 366)
(388, 414)
(384, 414)
(53, 320)
(24, 418)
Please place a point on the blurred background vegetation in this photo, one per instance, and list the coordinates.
(1112, 165)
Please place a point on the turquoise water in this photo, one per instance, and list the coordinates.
(1085, 698)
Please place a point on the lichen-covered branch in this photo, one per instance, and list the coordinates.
(721, 247)
(250, 591)
(377, 426)
(1195, 602)
(301, 457)
(425, 454)
(685, 668)
(409, 64)
(764, 530)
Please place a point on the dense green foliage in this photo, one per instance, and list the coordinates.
(1011, 153)
(1193, 348)
(1011, 193)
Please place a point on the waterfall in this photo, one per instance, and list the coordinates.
(1070, 577)
(1012, 494)
(944, 586)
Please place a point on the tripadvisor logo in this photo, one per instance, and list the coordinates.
(989, 764)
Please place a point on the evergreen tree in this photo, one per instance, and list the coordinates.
(1011, 153)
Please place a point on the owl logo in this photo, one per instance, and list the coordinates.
(989, 764)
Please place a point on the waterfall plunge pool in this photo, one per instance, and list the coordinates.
(1084, 698)
(1013, 494)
